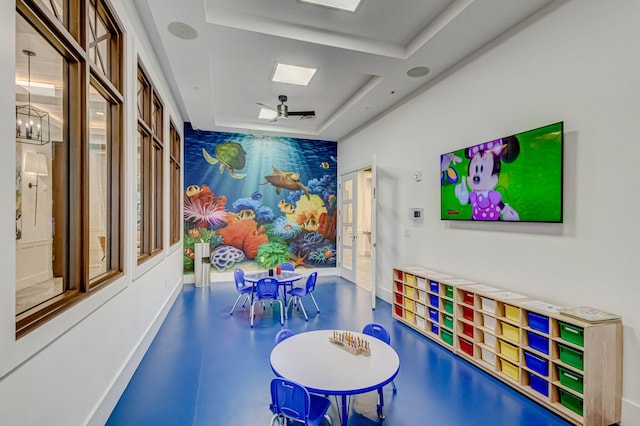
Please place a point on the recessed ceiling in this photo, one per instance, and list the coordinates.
(363, 58)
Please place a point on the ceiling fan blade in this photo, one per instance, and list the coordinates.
(265, 106)
(303, 113)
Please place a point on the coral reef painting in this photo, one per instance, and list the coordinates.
(276, 202)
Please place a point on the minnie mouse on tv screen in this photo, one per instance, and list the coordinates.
(515, 178)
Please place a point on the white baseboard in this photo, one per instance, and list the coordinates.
(107, 404)
(630, 413)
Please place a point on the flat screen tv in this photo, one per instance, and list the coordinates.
(515, 178)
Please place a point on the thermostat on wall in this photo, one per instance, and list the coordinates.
(416, 215)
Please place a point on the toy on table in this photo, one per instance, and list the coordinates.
(355, 345)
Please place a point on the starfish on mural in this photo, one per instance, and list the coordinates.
(299, 261)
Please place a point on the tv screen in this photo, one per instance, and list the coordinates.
(515, 178)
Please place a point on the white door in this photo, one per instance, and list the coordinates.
(374, 233)
(348, 225)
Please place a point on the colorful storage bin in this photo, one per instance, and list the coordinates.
(435, 329)
(510, 351)
(510, 332)
(489, 339)
(465, 346)
(488, 322)
(420, 323)
(468, 298)
(448, 306)
(434, 315)
(488, 356)
(537, 364)
(399, 298)
(570, 379)
(538, 342)
(433, 300)
(422, 296)
(399, 287)
(447, 321)
(448, 291)
(410, 317)
(538, 384)
(570, 356)
(512, 313)
(410, 292)
(538, 322)
(421, 283)
(447, 337)
(421, 309)
(434, 286)
(467, 329)
(410, 279)
(510, 370)
(398, 310)
(488, 305)
(467, 313)
(571, 333)
(409, 304)
(571, 401)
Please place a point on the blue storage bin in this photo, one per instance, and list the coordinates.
(434, 285)
(433, 314)
(537, 364)
(538, 384)
(538, 342)
(433, 300)
(435, 329)
(538, 322)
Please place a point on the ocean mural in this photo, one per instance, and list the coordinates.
(259, 201)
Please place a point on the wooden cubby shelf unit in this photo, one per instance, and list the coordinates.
(570, 366)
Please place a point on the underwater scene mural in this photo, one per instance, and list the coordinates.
(259, 201)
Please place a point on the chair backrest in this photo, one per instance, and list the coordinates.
(283, 334)
(290, 399)
(311, 282)
(267, 288)
(238, 275)
(287, 266)
(378, 331)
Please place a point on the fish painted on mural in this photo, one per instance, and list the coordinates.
(246, 214)
(256, 196)
(311, 224)
(286, 208)
(287, 180)
(193, 190)
(324, 165)
(230, 155)
(334, 158)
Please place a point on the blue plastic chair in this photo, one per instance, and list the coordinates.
(297, 293)
(243, 288)
(267, 289)
(381, 333)
(285, 333)
(292, 401)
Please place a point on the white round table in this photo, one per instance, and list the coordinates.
(324, 368)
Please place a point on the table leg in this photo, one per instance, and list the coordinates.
(344, 421)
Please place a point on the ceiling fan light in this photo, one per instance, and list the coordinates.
(293, 74)
(283, 111)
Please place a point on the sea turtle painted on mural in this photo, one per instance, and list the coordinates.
(286, 180)
(230, 155)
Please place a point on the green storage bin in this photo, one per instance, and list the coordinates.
(447, 321)
(570, 379)
(448, 306)
(570, 356)
(447, 337)
(571, 401)
(571, 333)
(448, 291)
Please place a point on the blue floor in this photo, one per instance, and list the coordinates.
(206, 367)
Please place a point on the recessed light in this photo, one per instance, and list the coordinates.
(418, 72)
(293, 74)
(267, 114)
(182, 30)
(350, 5)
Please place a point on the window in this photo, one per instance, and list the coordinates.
(150, 162)
(175, 173)
(69, 231)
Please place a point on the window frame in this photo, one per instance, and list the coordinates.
(175, 192)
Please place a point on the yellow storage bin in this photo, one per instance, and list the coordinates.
(410, 316)
(409, 304)
(510, 332)
(510, 370)
(410, 292)
(410, 279)
(510, 351)
(512, 313)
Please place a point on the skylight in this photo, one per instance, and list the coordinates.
(350, 5)
(293, 74)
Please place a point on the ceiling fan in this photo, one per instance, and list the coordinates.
(282, 111)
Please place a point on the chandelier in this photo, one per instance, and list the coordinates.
(32, 124)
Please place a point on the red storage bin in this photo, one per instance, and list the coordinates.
(467, 313)
(398, 298)
(399, 310)
(469, 298)
(465, 346)
(467, 329)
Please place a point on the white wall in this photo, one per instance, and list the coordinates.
(579, 64)
(71, 370)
